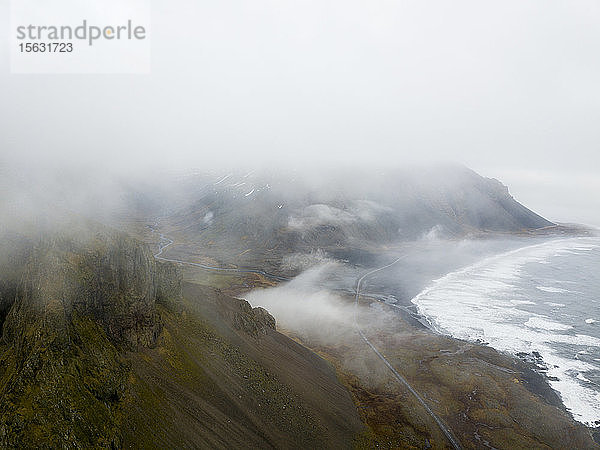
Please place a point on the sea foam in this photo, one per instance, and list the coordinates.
(498, 301)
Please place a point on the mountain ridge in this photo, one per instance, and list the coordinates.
(257, 219)
(100, 341)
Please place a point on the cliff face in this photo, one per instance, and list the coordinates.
(110, 278)
(167, 282)
(71, 307)
(100, 349)
(253, 321)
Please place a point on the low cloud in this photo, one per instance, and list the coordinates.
(304, 261)
(303, 307)
(319, 215)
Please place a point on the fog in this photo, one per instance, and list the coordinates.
(318, 305)
(316, 215)
(509, 89)
(305, 307)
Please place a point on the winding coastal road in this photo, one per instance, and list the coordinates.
(453, 441)
(165, 242)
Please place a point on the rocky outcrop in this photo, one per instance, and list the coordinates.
(167, 282)
(253, 321)
(8, 290)
(80, 301)
(118, 288)
(110, 278)
(262, 317)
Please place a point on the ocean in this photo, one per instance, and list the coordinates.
(542, 300)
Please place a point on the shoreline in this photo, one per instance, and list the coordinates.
(536, 378)
(403, 303)
(536, 382)
(533, 364)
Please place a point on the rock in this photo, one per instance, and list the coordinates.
(266, 320)
(168, 282)
(110, 278)
(70, 306)
(253, 321)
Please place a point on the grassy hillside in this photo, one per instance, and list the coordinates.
(222, 377)
(101, 348)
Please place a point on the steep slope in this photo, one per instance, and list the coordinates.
(77, 302)
(99, 348)
(222, 377)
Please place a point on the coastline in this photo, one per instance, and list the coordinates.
(537, 370)
(417, 350)
(537, 378)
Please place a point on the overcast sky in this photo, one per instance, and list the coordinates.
(509, 88)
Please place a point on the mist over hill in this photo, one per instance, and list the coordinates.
(342, 212)
(300, 225)
(100, 345)
(101, 342)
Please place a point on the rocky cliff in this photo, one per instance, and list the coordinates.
(109, 278)
(100, 349)
(71, 303)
